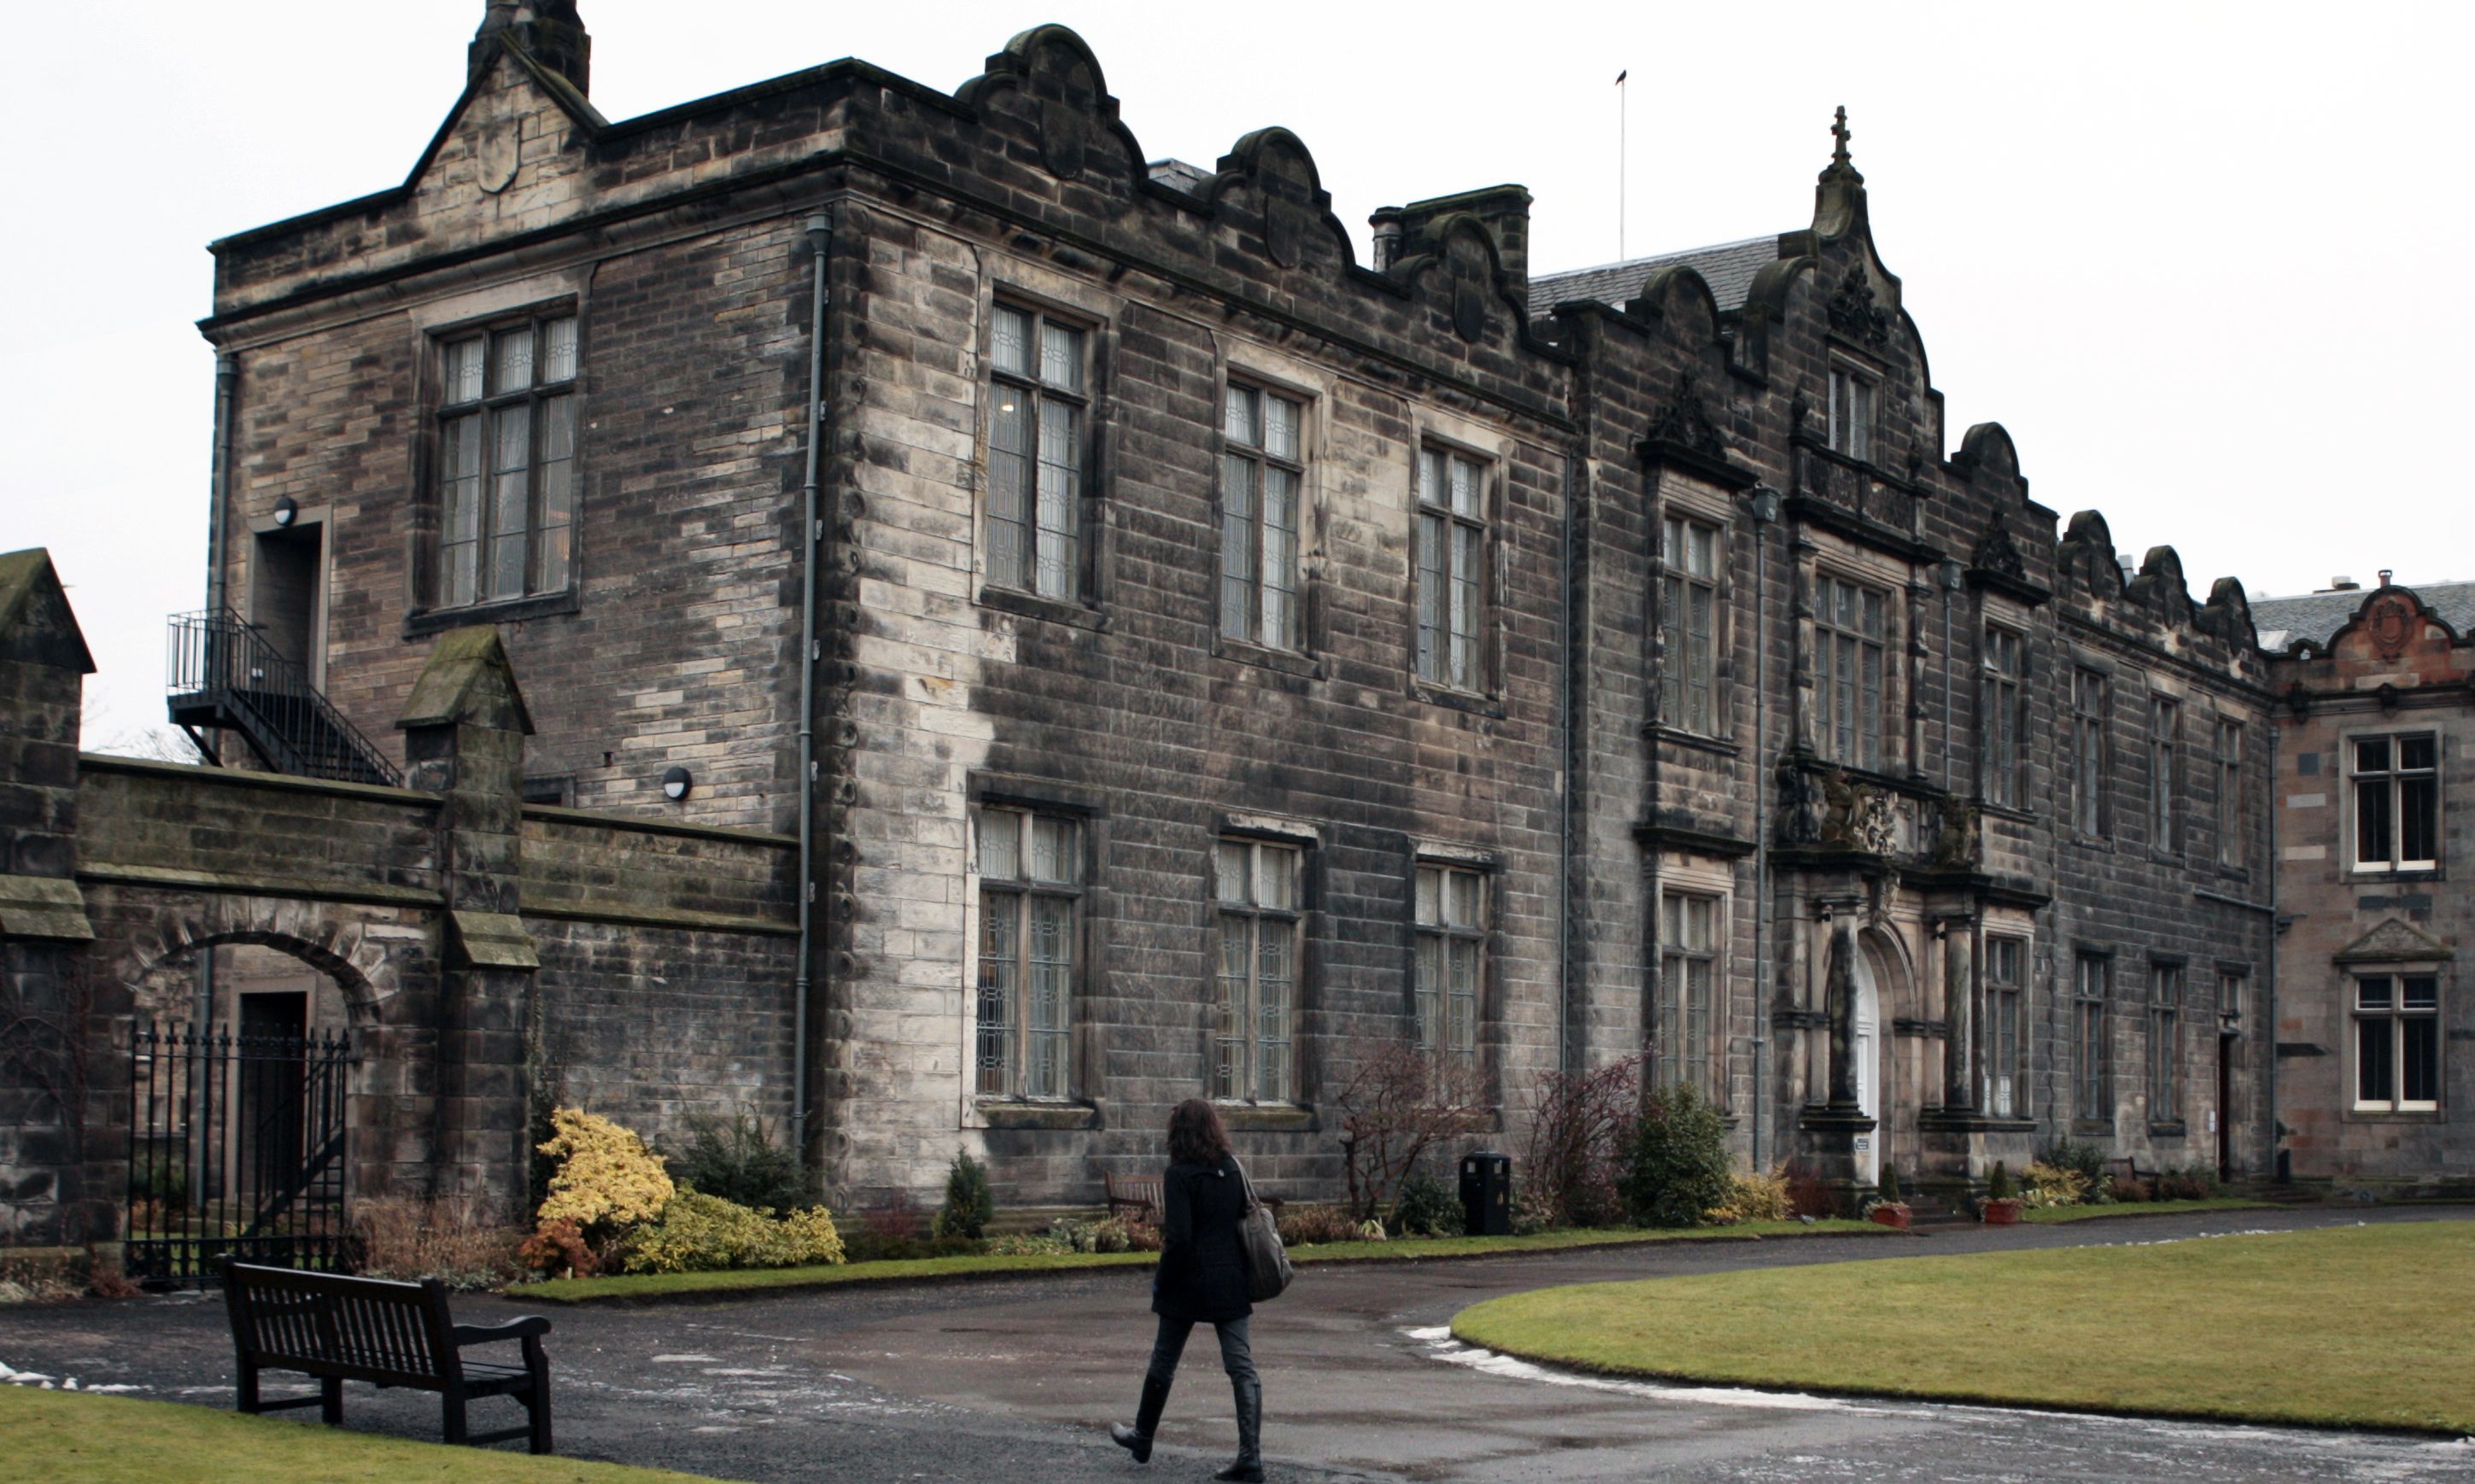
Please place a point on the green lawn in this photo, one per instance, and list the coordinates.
(2053, 1215)
(120, 1439)
(667, 1285)
(2354, 1326)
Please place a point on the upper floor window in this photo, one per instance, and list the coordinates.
(2089, 704)
(1452, 550)
(1688, 621)
(2093, 1099)
(2005, 971)
(1452, 939)
(1851, 414)
(2230, 751)
(2005, 667)
(1257, 884)
(2164, 775)
(2398, 1043)
(1030, 888)
(1261, 475)
(1037, 401)
(1850, 628)
(506, 456)
(2166, 1043)
(1681, 1027)
(2397, 802)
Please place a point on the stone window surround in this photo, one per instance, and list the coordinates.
(1082, 399)
(2350, 1107)
(2344, 753)
(1023, 282)
(1491, 474)
(1258, 921)
(1852, 432)
(1668, 1000)
(430, 320)
(1677, 495)
(1891, 700)
(1080, 1110)
(1428, 855)
(2093, 1084)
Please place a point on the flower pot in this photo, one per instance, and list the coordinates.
(1891, 1215)
(2000, 1213)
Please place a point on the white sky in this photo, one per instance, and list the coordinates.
(2204, 262)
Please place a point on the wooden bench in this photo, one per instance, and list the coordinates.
(340, 1328)
(1134, 1199)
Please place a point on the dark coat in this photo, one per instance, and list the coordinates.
(1202, 1272)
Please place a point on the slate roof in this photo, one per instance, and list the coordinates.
(2318, 615)
(1729, 267)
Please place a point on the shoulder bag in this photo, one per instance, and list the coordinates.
(1258, 1236)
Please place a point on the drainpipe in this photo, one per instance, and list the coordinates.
(2278, 922)
(1764, 504)
(812, 532)
(219, 480)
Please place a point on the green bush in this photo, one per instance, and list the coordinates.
(1426, 1209)
(735, 1158)
(968, 1204)
(1889, 1189)
(869, 1244)
(2194, 1182)
(1676, 1163)
(702, 1234)
(2000, 1187)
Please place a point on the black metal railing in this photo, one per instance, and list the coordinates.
(236, 1148)
(223, 674)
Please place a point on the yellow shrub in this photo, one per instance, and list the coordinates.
(605, 1176)
(700, 1233)
(2045, 1184)
(1754, 1197)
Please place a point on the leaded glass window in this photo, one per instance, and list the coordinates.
(1452, 548)
(1262, 479)
(1038, 399)
(1451, 950)
(507, 461)
(1254, 1007)
(1030, 870)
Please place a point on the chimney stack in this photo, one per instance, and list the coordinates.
(550, 32)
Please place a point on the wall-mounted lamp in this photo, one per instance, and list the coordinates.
(1763, 503)
(287, 511)
(676, 783)
(1953, 575)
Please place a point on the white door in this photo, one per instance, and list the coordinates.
(1864, 1044)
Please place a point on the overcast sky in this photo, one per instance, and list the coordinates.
(2204, 262)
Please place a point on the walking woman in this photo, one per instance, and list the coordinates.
(1202, 1276)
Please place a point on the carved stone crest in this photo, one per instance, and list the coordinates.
(1853, 313)
(1999, 554)
(2390, 622)
(1686, 422)
(495, 156)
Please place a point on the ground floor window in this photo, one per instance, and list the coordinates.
(2398, 1043)
(2093, 1098)
(2005, 966)
(1258, 887)
(1680, 1028)
(1030, 882)
(2166, 1043)
(1451, 936)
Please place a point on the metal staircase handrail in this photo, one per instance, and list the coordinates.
(222, 654)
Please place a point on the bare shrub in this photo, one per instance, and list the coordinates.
(1808, 1194)
(1397, 1106)
(446, 1238)
(1578, 1123)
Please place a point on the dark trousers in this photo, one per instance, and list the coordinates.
(1235, 1356)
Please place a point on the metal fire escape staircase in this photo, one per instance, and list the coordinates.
(226, 676)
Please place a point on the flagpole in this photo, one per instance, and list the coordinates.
(1624, 138)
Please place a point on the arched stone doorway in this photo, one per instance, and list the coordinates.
(244, 1071)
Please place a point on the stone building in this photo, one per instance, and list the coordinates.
(2374, 785)
(1186, 655)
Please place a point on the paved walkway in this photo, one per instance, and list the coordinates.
(1016, 1382)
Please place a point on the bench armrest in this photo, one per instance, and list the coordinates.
(532, 1326)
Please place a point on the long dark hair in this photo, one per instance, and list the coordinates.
(1195, 1135)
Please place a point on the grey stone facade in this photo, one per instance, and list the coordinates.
(1817, 781)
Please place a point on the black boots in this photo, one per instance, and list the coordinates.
(1138, 1439)
(1248, 1465)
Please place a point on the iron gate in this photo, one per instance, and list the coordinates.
(237, 1147)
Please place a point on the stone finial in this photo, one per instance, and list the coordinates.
(468, 682)
(1840, 135)
(549, 31)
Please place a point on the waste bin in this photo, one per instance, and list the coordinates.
(1487, 1194)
